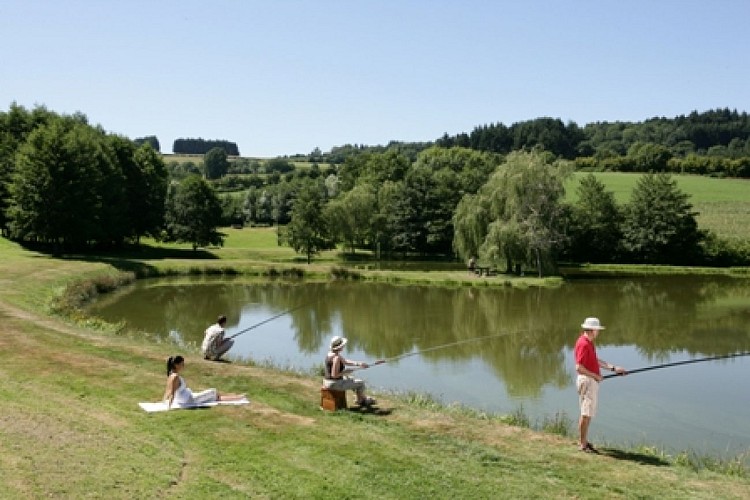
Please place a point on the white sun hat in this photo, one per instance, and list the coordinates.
(592, 324)
(338, 343)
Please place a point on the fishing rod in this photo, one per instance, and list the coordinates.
(435, 348)
(266, 321)
(677, 363)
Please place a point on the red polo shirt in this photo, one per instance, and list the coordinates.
(585, 354)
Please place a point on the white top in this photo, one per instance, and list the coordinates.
(213, 335)
(183, 395)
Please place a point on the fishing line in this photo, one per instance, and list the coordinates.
(677, 363)
(441, 346)
(267, 320)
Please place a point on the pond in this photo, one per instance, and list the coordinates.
(496, 349)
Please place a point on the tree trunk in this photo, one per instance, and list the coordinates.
(538, 263)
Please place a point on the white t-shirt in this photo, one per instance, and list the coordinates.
(214, 336)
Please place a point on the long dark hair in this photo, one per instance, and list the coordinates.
(172, 362)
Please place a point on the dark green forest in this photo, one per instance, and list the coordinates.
(202, 146)
(495, 194)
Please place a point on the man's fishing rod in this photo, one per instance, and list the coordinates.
(266, 321)
(677, 363)
(435, 348)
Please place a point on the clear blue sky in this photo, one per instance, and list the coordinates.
(282, 77)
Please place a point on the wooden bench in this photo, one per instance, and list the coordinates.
(332, 400)
(484, 271)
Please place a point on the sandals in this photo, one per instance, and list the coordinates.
(588, 448)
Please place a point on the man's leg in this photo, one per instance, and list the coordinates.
(224, 347)
(583, 430)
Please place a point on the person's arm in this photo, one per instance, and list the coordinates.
(355, 363)
(613, 368)
(582, 370)
(172, 385)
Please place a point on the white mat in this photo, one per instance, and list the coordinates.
(162, 405)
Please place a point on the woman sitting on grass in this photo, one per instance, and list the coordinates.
(179, 393)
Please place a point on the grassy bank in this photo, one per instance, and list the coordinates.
(71, 426)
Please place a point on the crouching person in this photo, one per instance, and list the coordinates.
(214, 344)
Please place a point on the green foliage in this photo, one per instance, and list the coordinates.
(717, 138)
(151, 140)
(202, 146)
(278, 165)
(470, 221)
(308, 232)
(595, 221)
(193, 213)
(231, 209)
(71, 185)
(659, 224)
(66, 188)
(522, 202)
(352, 215)
(215, 163)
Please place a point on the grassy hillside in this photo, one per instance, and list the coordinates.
(71, 428)
(723, 205)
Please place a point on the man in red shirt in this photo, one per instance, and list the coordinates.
(589, 376)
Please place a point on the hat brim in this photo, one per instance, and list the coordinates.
(589, 327)
(340, 345)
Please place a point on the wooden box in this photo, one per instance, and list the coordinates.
(332, 400)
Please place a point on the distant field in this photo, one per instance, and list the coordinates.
(723, 204)
(197, 159)
(180, 158)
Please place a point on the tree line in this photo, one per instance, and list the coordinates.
(714, 142)
(507, 211)
(203, 146)
(70, 185)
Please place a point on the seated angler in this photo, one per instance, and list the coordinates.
(336, 377)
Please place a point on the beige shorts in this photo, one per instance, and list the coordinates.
(588, 395)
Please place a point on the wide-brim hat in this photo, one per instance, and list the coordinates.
(338, 343)
(592, 324)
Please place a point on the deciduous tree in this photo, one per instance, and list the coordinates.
(193, 213)
(215, 163)
(308, 232)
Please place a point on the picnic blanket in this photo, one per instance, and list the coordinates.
(162, 405)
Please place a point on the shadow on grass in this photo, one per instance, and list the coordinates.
(639, 458)
(370, 410)
(128, 251)
(133, 258)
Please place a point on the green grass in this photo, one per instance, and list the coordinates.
(723, 205)
(70, 426)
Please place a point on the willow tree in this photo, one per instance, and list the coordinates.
(470, 221)
(351, 216)
(524, 213)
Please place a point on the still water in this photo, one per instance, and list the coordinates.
(504, 348)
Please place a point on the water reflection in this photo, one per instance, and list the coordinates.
(531, 329)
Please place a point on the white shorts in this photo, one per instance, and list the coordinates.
(588, 395)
